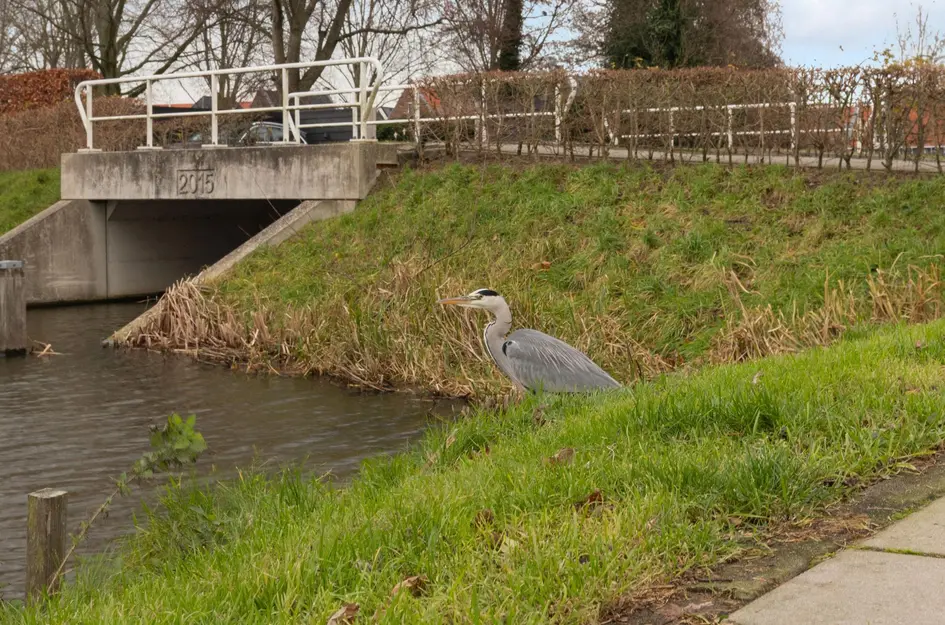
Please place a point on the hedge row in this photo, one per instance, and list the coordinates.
(32, 90)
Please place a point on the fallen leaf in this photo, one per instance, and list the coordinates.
(670, 611)
(479, 452)
(594, 499)
(564, 456)
(542, 266)
(450, 439)
(538, 417)
(919, 344)
(692, 608)
(734, 520)
(485, 518)
(757, 377)
(415, 584)
(508, 544)
(345, 614)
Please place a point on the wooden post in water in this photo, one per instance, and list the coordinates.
(45, 540)
(13, 337)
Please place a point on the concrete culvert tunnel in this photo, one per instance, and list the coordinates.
(83, 251)
(152, 244)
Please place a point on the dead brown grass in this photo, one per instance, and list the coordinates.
(194, 320)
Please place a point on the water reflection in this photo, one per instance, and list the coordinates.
(75, 420)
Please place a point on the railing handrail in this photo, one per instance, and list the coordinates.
(367, 95)
(364, 114)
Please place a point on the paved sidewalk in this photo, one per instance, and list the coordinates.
(897, 577)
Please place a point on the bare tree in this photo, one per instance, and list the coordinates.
(291, 22)
(9, 37)
(314, 29)
(480, 34)
(399, 34)
(233, 37)
(918, 41)
(42, 41)
(122, 37)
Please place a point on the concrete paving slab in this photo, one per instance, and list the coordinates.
(921, 532)
(856, 588)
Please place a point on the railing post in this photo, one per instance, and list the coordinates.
(297, 101)
(150, 104)
(362, 101)
(285, 105)
(14, 340)
(416, 114)
(45, 541)
(731, 138)
(793, 107)
(214, 107)
(482, 137)
(558, 114)
(369, 129)
(672, 132)
(88, 112)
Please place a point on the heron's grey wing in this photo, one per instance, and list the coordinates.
(539, 360)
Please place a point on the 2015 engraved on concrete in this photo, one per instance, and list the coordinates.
(195, 181)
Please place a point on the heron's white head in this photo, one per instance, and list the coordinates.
(486, 299)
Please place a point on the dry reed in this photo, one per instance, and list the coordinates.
(197, 321)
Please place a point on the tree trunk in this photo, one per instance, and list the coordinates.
(511, 42)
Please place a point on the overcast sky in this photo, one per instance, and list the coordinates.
(823, 33)
(815, 30)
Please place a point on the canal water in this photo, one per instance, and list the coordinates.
(77, 420)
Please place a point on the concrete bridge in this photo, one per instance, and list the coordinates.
(132, 223)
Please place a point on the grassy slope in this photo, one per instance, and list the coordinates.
(678, 461)
(641, 262)
(25, 193)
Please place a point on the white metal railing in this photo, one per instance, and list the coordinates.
(361, 100)
(729, 132)
(417, 120)
(363, 109)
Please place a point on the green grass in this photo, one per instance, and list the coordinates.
(640, 263)
(26, 193)
(680, 463)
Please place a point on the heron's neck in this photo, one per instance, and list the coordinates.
(494, 336)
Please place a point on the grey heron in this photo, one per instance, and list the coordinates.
(533, 360)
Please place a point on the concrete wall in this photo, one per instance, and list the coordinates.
(64, 251)
(341, 171)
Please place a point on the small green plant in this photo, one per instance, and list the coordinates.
(173, 445)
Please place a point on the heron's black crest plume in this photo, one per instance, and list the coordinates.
(489, 292)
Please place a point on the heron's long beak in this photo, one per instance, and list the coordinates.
(462, 299)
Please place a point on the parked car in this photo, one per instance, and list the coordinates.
(258, 133)
(263, 133)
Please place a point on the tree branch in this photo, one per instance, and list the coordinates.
(391, 31)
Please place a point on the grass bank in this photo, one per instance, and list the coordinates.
(548, 512)
(647, 269)
(25, 193)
